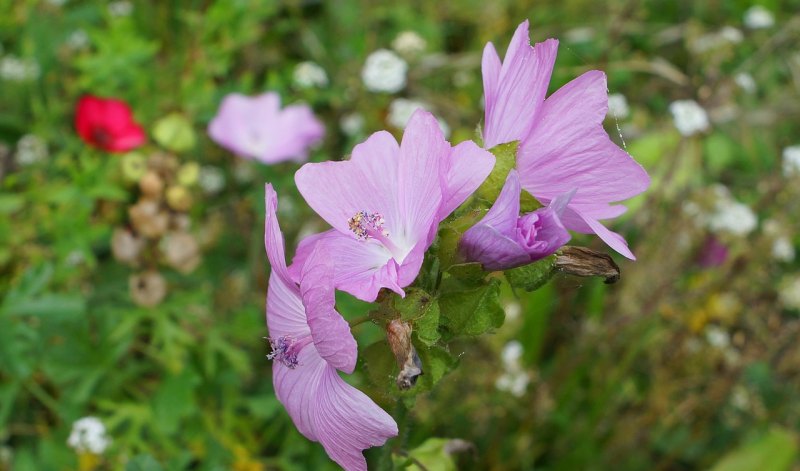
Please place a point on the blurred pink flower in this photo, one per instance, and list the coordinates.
(310, 341)
(257, 128)
(386, 202)
(503, 239)
(563, 145)
(713, 254)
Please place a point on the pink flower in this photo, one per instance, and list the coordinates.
(503, 239)
(108, 124)
(258, 128)
(563, 145)
(386, 202)
(310, 342)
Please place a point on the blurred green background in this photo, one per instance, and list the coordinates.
(691, 361)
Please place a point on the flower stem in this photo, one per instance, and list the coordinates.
(360, 320)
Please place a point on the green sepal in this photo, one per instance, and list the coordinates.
(532, 276)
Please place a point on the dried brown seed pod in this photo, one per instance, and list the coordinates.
(151, 185)
(581, 261)
(398, 334)
(126, 246)
(147, 289)
(148, 219)
(181, 251)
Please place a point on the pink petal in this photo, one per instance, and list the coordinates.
(464, 169)
(521, 88)
(423, 150)
(362, 268)
(367, 182)
(614, 240)
(495, 251)
(331, 333)
(347, 422)
(490, 69)
(503, 214)
(297, 389)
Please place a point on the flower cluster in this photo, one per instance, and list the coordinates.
(385, 206)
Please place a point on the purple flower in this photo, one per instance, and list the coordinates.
(257, 128)
(503, 239)
(563, 145)
(713, 254)
(310, 341)
(386, 202)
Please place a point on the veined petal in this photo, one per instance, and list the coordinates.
(464, 169)
(347, 422)
(503, 214)
(331, 333)
(490, 69)
(423, 151)
(614, 240)
(297, 389)
(273, 238)
(521, 88)
(367, 182)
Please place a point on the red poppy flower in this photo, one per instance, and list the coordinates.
(108, 124)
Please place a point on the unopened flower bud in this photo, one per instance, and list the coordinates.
(398, 334)
(147, 289)
(581, 261)
(126, 246)
(151, 185)
(188, 173)
(178, 198)
(133, 166)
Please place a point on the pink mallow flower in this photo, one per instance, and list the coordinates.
(257, 128)
(563, 145)
(386, 202)
(310, 341)
(503, 239)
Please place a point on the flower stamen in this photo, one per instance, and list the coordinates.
(286, 348)
(365, 225)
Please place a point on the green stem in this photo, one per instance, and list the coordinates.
(401, 416)
(360, 320)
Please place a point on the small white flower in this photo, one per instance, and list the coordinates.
(715, 40)
(30, 150)
(310, 75)
(789, 293)
(731, 35)
(717, 337)
(690, 118)
(78, 39)
(740, 397)
(211, 179)
(782, 249)
(732, 217)
(384, 71)
(791, 161)
(18, 70)
(120, 8)
(515, 383)
(745, 81)
(512, 352)
(409, 43)
(401, 110)
(758, 17)
(89, 435)
(618, 106)
(352, 124)
(582, 34)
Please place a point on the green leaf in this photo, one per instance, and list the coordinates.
(380, 366)
(775, 451)
(143, 463)
(431, 454)
(533, 276)
(174, 132)
(175, 400)
(422, 311)
(505, 155)
(450, 234)
(472, 311)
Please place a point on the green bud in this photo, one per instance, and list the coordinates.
(174, 132)
(134, 166)
(188, 173)
(506, 159)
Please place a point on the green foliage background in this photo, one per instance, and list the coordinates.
(622, 376)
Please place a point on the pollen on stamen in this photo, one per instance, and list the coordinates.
(365, 225)
(282, 351)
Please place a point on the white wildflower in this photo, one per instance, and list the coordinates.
(352, 124)
(758, 17)
(512, 352)
(78, 39)
(513, 310)
(745, 81)
(310, 75)
(791, 161)
(740, 397)
(89, 435)
(618, 106)
(690, 118)
(409, 43)
(582, 34)
(717, 337)
(732, 217)
(515, 383)
(120, 8)
(789, 293)
(384, 71)
(30, 150)
(783, 249)
(731, 35)
(211, 179)
(18, 70)
(715, 40)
